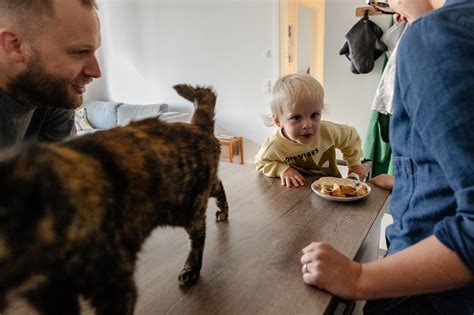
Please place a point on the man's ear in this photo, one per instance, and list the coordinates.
(13, 45)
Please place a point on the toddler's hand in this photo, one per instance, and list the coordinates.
(359, 170)
(383, 181)
(292, 177)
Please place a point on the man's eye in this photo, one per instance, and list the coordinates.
(82, 53)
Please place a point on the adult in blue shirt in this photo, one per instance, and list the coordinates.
(430, 264)
(47, 57)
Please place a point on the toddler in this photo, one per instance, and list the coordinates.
(304, 143)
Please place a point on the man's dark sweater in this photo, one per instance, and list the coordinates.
(19, 123)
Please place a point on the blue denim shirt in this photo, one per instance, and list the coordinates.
(432, 138)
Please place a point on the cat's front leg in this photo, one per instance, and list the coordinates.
(197, 238)
(118, 295)
(218, 192)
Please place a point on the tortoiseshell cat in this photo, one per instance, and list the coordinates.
(74, 215)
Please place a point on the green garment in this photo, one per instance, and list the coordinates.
(377, 147)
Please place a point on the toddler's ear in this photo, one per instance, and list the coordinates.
(276, 120)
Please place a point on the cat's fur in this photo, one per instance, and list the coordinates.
(74, 215)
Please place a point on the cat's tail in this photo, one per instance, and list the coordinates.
(204, 100)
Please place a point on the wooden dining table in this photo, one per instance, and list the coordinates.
(251, 262)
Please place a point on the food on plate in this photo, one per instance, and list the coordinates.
(326, 190)
(348, 190)
(337, 191)
(330, 181)
(340, 187)
(361, 191)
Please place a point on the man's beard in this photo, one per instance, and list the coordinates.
(37, 88)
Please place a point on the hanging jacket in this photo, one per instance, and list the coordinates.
(364, 45)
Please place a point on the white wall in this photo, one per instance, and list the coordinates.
(305, 38)
(150, 45)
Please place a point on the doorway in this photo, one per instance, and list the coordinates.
(302, 37)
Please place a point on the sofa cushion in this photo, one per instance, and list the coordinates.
(102, 115)
(128, 112)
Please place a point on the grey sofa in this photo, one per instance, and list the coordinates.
(105, 115)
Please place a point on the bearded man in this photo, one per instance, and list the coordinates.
(47, 57)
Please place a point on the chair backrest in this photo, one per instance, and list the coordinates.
(367, 164)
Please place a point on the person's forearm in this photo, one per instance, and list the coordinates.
(426, 267)
(271, 169)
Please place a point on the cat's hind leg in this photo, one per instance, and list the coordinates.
(117, 295)
(54, 297)
(3, 302)
(197, 237)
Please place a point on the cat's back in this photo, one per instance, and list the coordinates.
(151, 160)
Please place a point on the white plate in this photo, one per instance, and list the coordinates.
(340, 199)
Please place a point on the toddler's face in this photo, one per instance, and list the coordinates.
(300, 122)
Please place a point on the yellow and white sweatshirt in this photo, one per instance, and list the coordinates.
(318, 157)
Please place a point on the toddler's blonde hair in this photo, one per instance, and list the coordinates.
(291, 89)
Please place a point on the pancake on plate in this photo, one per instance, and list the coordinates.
(340, 187)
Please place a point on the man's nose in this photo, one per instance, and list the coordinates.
(92, 68)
